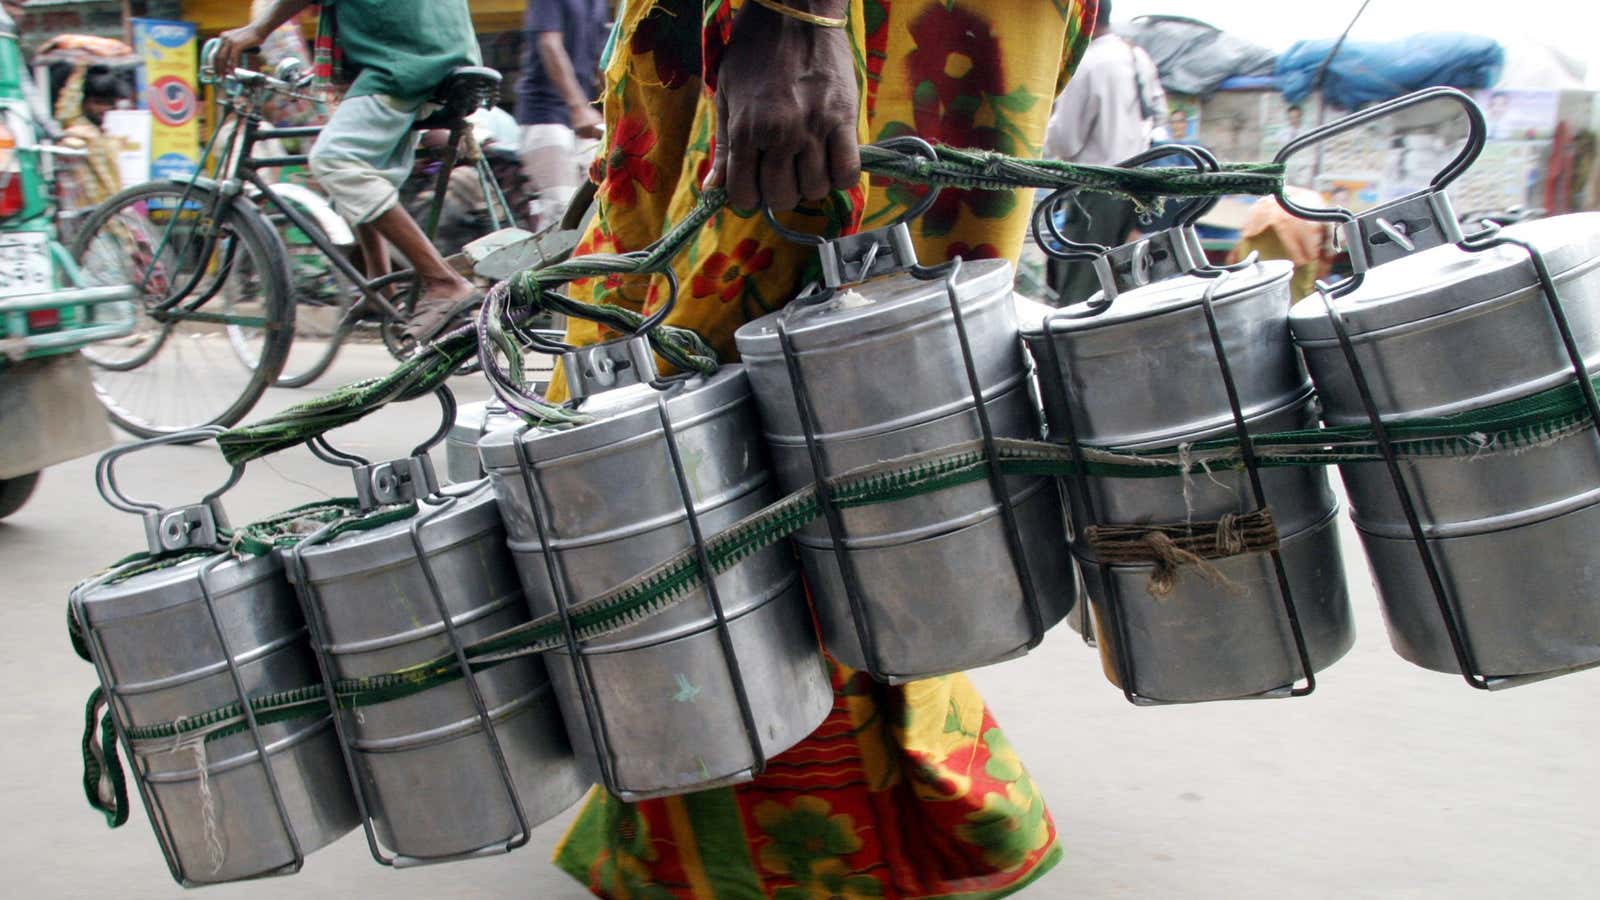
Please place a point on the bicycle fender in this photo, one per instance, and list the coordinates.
(317, 207)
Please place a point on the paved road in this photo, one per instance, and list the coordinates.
(1390, 782)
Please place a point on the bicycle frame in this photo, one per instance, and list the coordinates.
(239, 167)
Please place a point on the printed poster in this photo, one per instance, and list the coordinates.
(131, 129)
(1520, 115)
(168, 89)
(1183, 119)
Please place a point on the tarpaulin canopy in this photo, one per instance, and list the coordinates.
(1373, 71)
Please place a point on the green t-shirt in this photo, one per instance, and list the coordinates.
(404, 48)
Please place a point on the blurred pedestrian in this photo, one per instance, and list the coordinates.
(88, 94)
(561, 42)
(1108, 113)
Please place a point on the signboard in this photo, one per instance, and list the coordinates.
(168, 89)
(1520, 115)
(131, 129)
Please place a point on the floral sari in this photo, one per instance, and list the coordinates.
(903, 792)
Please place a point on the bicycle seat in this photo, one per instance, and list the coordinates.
(463, 92)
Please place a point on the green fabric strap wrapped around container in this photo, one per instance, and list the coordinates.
(104, 781)
(1552, 415)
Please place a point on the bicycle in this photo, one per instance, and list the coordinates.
(211, 261)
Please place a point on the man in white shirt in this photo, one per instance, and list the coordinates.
(1108, 113)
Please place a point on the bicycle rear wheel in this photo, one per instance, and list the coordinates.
(214, 317)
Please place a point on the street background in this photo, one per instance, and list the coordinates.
(1389, 782)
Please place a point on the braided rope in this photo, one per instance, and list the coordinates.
(533, 290)
(987, 170)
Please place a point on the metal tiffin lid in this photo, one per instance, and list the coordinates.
(885, 354)
(894, 304)
(1446, 279)
(1163, 297)
(474, 420)
(1410, 260)
(158, 587)
(381, 538)
(617, 416)
(1135, 362)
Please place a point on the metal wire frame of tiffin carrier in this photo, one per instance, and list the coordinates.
(799, 690)
(1393, 231)
(324, 799)
(411, 481)
(1163, 255)
(854, 260)
(861, 615)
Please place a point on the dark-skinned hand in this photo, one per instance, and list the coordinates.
(231, 47)
(787, 106)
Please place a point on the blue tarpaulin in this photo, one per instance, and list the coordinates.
(1372, 71)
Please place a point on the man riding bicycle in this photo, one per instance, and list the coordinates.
(399, 52)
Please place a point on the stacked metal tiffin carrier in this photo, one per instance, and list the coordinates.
(900, 363)
(474, 420)
(1482, 551)
(187, 629)
(1202, 588)
(465, 766)
(701, 692)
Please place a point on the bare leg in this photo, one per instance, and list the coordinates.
(374, 254)
(439, 281)
(443, 289)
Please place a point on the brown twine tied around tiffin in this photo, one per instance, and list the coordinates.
(1168, 548)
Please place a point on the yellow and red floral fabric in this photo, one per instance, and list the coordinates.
(904, 792)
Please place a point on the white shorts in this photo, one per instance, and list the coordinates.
(555, 161)
(365, 152)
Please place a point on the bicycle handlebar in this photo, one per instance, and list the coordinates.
(291, 74)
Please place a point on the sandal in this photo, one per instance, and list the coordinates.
(430, 320)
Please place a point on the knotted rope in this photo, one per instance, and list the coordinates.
(1170, 548)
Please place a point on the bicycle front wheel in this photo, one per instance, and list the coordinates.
(324, 296)
(213, 319)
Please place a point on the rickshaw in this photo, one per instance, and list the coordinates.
(49, 412)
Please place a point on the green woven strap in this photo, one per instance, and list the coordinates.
(417, 377)
(534, 290)
(987, 170)
(289, 528)
(1552, 415)
(104, 784)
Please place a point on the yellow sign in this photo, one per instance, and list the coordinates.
(167, 87)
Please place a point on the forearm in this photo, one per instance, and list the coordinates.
(558, 68)
(277, 13)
